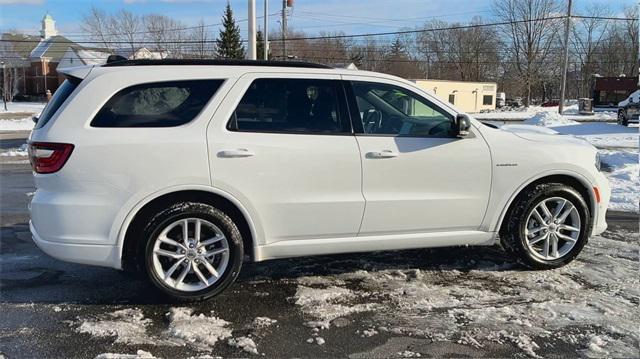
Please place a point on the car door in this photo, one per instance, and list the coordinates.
(283, 146)
(417, 176)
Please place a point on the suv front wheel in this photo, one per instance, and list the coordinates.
(547, 226)
(193, 251)
(622, 119)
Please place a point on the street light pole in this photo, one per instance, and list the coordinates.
(252, 30)
(565, 68)
(266, 30)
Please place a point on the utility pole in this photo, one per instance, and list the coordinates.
(565, 68)
(266, 30)
(251, 54)
(284, 29)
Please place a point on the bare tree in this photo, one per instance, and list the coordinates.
(96, 24)
(167, 35)
(530, 33)
(587, 37)
(12, 69)
(202, 42)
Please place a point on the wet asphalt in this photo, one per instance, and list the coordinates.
(42, 298)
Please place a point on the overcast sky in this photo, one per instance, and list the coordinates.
(311, 16)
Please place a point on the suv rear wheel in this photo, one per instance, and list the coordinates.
(547, 226)
(193, 251)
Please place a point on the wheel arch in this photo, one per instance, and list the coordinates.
(129, 245)
(572, 179)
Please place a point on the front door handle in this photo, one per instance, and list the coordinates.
(236, 153)
(382, 154)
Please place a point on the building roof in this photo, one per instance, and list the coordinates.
(20, 44)
(52, 48)
(616, 83)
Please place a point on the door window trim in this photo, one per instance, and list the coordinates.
(356, 121)
(343, 109)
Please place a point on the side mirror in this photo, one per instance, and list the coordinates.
(463, 124)
(35, 119)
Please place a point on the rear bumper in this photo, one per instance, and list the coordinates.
(92, 254)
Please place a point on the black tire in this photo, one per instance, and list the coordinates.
(211, 214)
(622, 119)
(512, 233)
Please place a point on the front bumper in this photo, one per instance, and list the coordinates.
(600, 217)
(92, 254)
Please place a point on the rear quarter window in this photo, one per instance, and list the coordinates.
(158, 104)
(59, 97)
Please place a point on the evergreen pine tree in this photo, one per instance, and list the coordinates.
(228, 42)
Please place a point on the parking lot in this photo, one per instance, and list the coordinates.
(452, 302)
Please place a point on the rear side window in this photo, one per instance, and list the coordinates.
(59, 97)
(158, 104)
(306, 106)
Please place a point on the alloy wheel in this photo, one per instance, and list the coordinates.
(190, 254)
(552, 228)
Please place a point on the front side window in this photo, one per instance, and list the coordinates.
(292, 106)
(391, 110)
(158, 104)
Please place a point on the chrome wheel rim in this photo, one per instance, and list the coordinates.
(190, 254)
(553, 228)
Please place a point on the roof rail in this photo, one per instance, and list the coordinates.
(226, 62)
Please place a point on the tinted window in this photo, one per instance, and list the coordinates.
(292, 106)
(62, 93)
(392, 110)
(158, 104)
(487, 100)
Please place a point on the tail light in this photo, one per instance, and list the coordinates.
(48, 157)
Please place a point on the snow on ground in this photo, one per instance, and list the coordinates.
(21, 151)
(33, 107)
(18, 116)
(201, 331)
(622, 170)
(128, 326)
(18, 124)
(591, 303)
(570, 113)
(140, 354)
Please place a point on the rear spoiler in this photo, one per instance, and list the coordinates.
(77, 73)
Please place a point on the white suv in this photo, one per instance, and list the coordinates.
(181, 169)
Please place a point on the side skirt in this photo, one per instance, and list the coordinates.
(310, 247)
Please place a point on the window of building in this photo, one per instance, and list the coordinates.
(452, 99)
(158, 104)
(306, 106)
(487, 100)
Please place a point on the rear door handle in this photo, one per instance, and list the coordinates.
(236, 153)
(382, 154)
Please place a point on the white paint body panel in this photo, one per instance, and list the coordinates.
(300, 194)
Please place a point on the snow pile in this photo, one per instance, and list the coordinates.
(200, 330)
(622, 170)
(128, 326)
(21, 124)
(549, 119)
(327, 304)
(21, 151)
(490, 301)
(245, 343)
(140, 354)
(262, 322)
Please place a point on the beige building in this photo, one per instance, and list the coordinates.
(470, 97)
